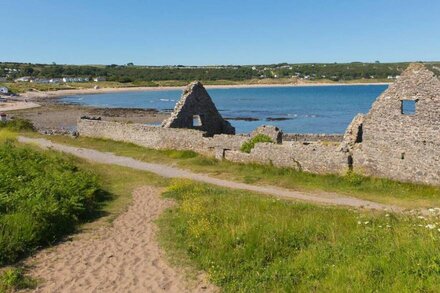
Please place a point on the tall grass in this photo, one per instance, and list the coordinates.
(248, 243)
(42, 197)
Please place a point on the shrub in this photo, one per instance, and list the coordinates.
(18, 125)
(42, 198)
(13, 279)
(250, 144)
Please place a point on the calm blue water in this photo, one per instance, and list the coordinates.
(320, 109)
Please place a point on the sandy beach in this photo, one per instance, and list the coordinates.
(61, 93)
(13, 106)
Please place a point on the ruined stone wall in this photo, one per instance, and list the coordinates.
(398, 145)
(312, 137)
(155, 137)
(315, 157)
(311, 157)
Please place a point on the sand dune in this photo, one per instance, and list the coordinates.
(122, 258)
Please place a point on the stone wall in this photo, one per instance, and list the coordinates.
(196, 110)
(156, 137)
(312, 137)
(398, 145)
(314, 157)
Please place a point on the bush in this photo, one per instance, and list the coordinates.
(250, 144)
(13, 279)
(18, 125)
(42, 198)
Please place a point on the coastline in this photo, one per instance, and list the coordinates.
(90, 91)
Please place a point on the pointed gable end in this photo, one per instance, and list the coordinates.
(196, 110)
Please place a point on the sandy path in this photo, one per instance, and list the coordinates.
(121, 258)
(172, 172)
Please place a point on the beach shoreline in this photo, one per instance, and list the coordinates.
(91, 91)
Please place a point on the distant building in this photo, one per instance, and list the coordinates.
(23, 79)
(56, 80)
(4, 90)
(75, 79)
(98, 79)
(40, 80)
(3, 117)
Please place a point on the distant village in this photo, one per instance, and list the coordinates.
(58, 80)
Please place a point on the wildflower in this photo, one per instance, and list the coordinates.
(388, 226)
(421, 217)
(430, 226)
(359, 222)
(366, 222)
(387, 215)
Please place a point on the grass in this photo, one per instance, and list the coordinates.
(247, 146)
(13, 279)
(26, 213)
(42, 198)
(249, 243)
(376, 189)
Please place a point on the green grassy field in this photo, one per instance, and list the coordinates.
(249, 243)
(380, 190)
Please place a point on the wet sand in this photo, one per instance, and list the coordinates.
(59, 117)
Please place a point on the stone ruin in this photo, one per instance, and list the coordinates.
(271, 131)
(399, 138)
(195, 110)
(400, 135)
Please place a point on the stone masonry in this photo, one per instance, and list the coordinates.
(399, 145)
(195, 110)
(390, 141)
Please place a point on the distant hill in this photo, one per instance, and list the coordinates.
(133, 73)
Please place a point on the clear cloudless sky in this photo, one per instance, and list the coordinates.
(206, 32)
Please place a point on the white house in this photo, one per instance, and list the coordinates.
(98, 79)
(75, 79)
(4, 90)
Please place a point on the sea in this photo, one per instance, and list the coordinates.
(307, 109)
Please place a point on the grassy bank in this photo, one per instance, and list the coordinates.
(375, 189)
(248, 243)
(45, 195)
(42, 198)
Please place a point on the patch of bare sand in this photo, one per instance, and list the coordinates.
(124, 257)
(14, 106)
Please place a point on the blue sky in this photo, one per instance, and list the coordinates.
(196, 32)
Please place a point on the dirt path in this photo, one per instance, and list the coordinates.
(171, 172)
(124, 257)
